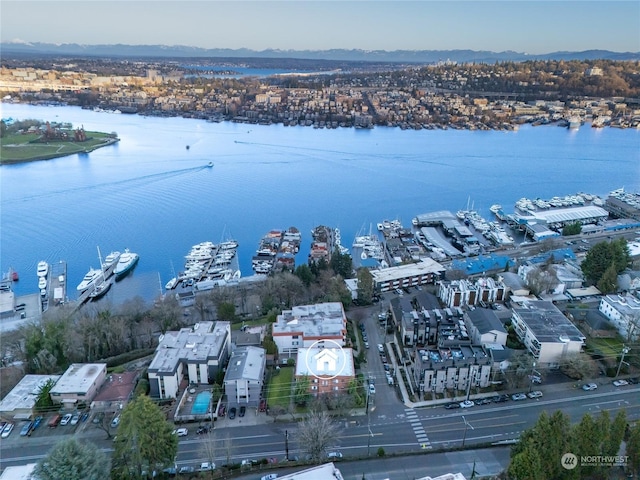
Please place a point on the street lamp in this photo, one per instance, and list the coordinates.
(533, 369)
(466, 424)
(625, 350)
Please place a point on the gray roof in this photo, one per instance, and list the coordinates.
(79, 378)
(246, 363)
(326, 319)
(25, 393)
(547, 323)
(198, 344)
(485, 320)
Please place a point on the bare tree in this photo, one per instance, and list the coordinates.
(316, 434)
(208, 449)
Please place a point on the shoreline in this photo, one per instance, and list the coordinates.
(105, 143)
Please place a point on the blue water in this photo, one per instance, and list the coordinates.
(201, 403)
(151, 194)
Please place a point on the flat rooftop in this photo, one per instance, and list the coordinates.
(25, 393)
(79, 378)
(198, 344)
(246, 363)
(547, 322)
(319, 362)
(312, 320)
(426, 266)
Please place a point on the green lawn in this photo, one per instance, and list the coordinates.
(17, 148)
(279, 389)
(607, 347)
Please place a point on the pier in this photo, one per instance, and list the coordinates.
(57, 292)
(108, 274)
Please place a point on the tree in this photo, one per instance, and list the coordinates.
(365, 286)
(341, 264)
(226, 311)
(304, 273)
(608, 282)
(603, 255)
(572, 229)
(43, 399)
(578, 365)
(526, 465)
(145, 440)
(520, 366)
(73, 460)
(316, 434)
(633, 448)
(301, 395)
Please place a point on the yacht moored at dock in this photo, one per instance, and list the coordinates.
(89, 279)
(125, 264)
(43, 269)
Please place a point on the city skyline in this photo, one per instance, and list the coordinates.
(533, 27)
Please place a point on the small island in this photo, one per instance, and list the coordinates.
(31, 140)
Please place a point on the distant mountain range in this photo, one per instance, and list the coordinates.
(354, 55)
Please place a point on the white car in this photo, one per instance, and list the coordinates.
(115, 422)
(589, 386)
(75, 419)
(535, 394)
(66, 419)
(380, 348)
(620, 383)
(372, 389)
(6, 431)
(181, 432)
(334, 455)
(466, 404)
(270, 476)
(207, 466)
(518, 396)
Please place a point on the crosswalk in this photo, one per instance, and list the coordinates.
(418, 429)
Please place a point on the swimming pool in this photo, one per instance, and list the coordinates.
(201, 403)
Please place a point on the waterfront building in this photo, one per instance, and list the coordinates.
(193, 354)
(421, 273)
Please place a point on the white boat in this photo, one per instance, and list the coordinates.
(101, 287)
(171, 284)
(126, 263)
(89, 279)
(43, 269)
(42, 282)
(110, 259)
(495, 208)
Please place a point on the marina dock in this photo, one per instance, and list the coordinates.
(57, 292)
(108, 275)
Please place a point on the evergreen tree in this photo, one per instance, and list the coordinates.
(365, 286)
(633, 448)
(73, 460)
(304, 273)
(145, 441)
(608, 283)
(526, 465)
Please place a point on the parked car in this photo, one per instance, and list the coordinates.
(518, 396)
(243, 410)
(207, 466)
(75, 419)
(6, 431)
(26, 429)
(380, 348)
(589, 386)
(620, 383)
(115, 422)
(232, 413)
(181, 432)
(483, 401)
(366, 345)
(270, 476)
(501, 398)
(67, 418)
(202, 429)
(334, 455)
(372, 389)
(222, 410)
(452, 405)
(466, 404)
(633, 380)
(186, 469)
(534, 394)
(37, 422)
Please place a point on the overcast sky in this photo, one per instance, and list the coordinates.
(523, 26)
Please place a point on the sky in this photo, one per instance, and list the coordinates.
(528, 26)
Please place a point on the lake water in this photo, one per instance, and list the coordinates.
(151, 194)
